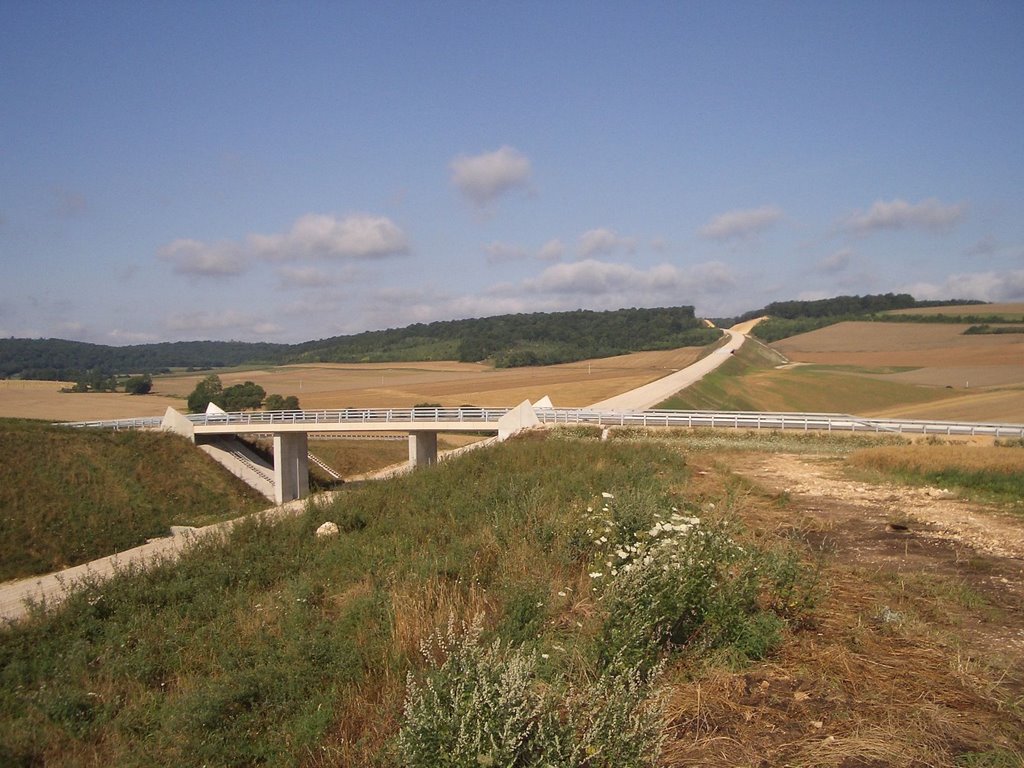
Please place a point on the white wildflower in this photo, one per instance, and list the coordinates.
(607, 495)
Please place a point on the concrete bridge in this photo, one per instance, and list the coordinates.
(288, 479)
(290, 432)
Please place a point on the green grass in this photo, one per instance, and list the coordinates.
(70, 496)
(751, 381)
(276, 648)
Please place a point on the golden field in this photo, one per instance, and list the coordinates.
(958, 377)
(908, 370)
(326, 385)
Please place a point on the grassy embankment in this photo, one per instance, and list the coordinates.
(67, 497)
(751, 380)
(527, 592)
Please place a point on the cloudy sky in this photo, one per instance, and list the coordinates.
(286, 171)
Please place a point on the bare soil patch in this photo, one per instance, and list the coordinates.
(906, 532)
(915, 657)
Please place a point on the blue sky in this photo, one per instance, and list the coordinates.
(286, 171)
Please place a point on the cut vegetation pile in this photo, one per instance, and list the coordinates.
(70, 496)
(552, 601)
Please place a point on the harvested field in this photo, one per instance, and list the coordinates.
(915, 345)
(44, 400)
(326, 385)
(1006, 311)
(982, 375)
(329, 385)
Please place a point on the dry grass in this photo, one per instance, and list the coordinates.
(854, 691)
(928, 459)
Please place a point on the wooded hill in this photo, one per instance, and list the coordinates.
(506, 340)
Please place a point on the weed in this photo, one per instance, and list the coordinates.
(482, 705)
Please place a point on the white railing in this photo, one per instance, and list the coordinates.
(352, 415)
(756, 420)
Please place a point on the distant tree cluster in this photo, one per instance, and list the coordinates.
(139, 385)
(238, 397)
(93, 381)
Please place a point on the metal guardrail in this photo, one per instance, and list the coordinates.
(756, 420)
(337, 416)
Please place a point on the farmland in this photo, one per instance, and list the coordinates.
(933, 370)
(326, 385)
(862, 614)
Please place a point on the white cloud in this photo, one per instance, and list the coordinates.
(741, 223)
(552, 250)
(313, 236)
(192, 257)
(202, 322)
(498, 253)
(986, 286)
(318, 235)
(836, 262)
(603, 241)
(485, 177)
(929, 214)
(630, 285)
(304, 277)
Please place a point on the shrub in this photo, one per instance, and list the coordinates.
(484, 706)
(684, 583)
(139, 385)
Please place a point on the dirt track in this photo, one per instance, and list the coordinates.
(907, 532)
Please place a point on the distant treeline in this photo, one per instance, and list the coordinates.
(507, 340)
(542, 338)
(60, 360)
(790, 318)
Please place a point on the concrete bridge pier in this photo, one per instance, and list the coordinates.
(291, 466)
(422, 448)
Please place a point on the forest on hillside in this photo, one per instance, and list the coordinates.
(506, 340)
